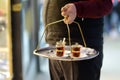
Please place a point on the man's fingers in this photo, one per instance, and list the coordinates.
(63, 9)
(63, 14)
(67, 20)
(69, 13)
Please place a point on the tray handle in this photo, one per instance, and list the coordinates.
(84, 42)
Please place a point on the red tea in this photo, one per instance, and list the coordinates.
(60, 54)
(75, 50)
(60, 51)
(60, 48)
(75, 53)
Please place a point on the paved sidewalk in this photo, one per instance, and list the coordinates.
(111, 64)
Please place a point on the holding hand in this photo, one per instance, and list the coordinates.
(69, 13)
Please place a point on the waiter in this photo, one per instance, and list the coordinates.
(89, 14)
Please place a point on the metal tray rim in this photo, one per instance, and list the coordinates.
(64, 58)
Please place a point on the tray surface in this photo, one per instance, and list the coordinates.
(50, 52)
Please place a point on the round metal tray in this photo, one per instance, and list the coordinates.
(50, 52)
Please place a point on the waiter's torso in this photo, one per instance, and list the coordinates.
(92, 28)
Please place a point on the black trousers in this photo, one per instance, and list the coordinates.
(77, 70)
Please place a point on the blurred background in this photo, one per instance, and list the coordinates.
(21, 27)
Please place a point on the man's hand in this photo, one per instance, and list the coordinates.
(69, 13)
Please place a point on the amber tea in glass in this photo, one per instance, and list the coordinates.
(75, 50)
(60, 49)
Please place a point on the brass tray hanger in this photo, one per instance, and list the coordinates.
(67, 25)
